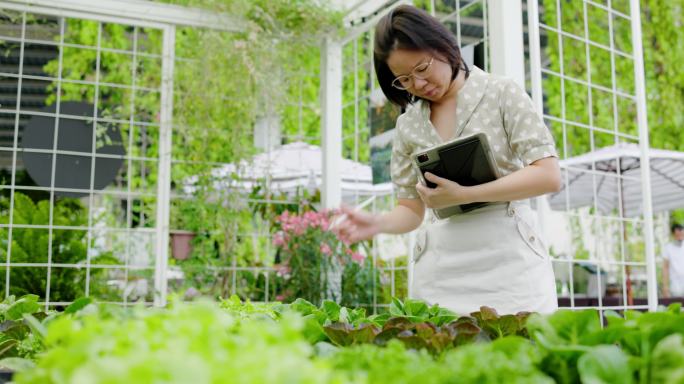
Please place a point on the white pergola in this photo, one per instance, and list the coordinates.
(506, 54)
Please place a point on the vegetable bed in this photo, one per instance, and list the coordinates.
(243, 342)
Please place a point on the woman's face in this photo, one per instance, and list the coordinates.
(431, 84)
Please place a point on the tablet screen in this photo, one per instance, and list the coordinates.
(464, 162)
(467, 163)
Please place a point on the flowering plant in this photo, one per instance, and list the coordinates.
(311, 257)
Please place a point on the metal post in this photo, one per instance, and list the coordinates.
(331, 122)
(536, 84)
(506, 47)
(164, 173)
(507, 52)
(535, 55)
(640, 87)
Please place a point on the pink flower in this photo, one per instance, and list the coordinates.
(358, 257)
(280, 297)
(325, 223)
(279, 239)
(282, 269)
(325, 249)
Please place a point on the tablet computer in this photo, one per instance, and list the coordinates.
(467, 161)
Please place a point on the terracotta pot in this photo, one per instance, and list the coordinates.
(181, 244)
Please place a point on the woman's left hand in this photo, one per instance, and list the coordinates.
(446, 194)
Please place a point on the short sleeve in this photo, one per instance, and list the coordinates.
(529, 138)
(403, 176)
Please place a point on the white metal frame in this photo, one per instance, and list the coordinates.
(536, 71)
(138, 12)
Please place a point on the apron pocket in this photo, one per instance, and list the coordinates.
(421, 244)
(527, 231)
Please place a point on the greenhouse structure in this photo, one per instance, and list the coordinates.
(172, 174)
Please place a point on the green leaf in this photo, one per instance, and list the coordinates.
(566, 327)
(7, 347)
(668, 360)
(416, 308)
(605, 364)
(379, 319)
(14, 329)
(396, 308)
(36, 326)
(78, 304)
(302, 306)
(357, 316)
(675, 308)
(313, 331)
(332, 310)
(27, 304)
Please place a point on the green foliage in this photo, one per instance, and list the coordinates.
(249, 310)
(663, 40)
(577, 348)
(414, 323)
(360, 283)
(314, 264)
(507, 360)
(16, 338)
(677, 216)
(186, 343)
(510, 360)
(31, 245)
(605, 364)
(256, 342)
(668, 359)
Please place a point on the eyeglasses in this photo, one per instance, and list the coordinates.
(422, 71)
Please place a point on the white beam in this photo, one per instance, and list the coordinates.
(331, 122)
(640, 87)
(131, 11)
(355, 31)
(535, 55)
(507, 52)
(506, 47)
(164, 167)
(362, 8)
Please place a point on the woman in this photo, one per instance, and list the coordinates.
(492, 255)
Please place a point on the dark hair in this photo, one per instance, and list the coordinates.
(676, 226)
(411, 28)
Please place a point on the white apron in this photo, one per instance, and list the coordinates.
(490, 256)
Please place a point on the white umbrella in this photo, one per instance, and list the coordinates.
(595, 174)
(296, 165)
(667, 180)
